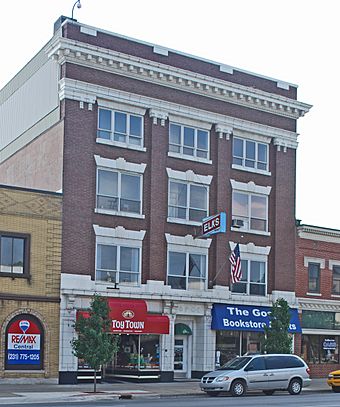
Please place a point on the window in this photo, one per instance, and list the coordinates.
(250, 154)
(250, 211)
(187, 201)
(313, 277)
(188, 141)
(118, 264)
(119, 191)
(256, 364)
(320, 349)
(186, 270)
(13, 254)
(336, 280)
(119, 127)
(253, 281)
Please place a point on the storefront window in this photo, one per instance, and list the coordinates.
(137, 352)
(320, 348)
(321, 320)
(235, 343)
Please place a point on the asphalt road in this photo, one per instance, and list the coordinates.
(321, 399)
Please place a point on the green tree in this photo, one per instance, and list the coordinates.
(95, 344)
(277, 338)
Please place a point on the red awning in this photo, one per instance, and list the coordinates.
(131, 316)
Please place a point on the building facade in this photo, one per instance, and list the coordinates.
(30, 265)
(318, 292)
(145, 142)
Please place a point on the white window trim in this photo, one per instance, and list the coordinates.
(119, 164)
(250, 187)
(188, 244)
(119, 236)
(189, 158)
(119, 144)
(253, 170)
(321, 262)
(121, 107)
(189, 176)
(332, 263)
(186, 121)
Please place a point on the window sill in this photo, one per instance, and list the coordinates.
(111, 285)
(184, 222)
(249, 169)
(117, 213)
(189, 157)
(15, 275)
(335, 295)
(314, 294)
(120, 145)
(253, 232)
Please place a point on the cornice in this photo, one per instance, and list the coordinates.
(65, 50)
(317, 233)
(89, 93)
(311, 304)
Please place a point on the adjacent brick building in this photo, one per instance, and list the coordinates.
(145, 142)
(30, 265)
(318, 292)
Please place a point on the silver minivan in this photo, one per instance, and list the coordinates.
(258, 372)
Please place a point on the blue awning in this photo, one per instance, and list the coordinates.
(233, 317)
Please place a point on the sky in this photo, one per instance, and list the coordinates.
(296, 41)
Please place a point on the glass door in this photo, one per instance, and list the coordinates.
(181, 354)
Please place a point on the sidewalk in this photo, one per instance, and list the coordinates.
(40, 393)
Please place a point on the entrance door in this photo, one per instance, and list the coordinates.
(181, 356)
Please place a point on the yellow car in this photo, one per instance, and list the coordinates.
(334, 380)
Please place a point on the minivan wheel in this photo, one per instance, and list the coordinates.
(213, 393)
(295, 387)
(268, 392)
(238, 388)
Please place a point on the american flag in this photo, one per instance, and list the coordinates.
(235, 260)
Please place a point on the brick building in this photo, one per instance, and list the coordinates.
(30, 264)
(145, 142)
(318, 292)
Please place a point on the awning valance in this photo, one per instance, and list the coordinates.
(182, 329)
(131, 317)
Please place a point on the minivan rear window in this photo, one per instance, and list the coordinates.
(283, 362)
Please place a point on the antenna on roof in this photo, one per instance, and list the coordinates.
(77, 3)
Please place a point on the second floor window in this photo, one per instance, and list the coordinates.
(120, 127)
(186, 270)
(118, 191)
(118, 264)
(250, 154)
(253, 280)
(187, 201)
(250, 211)
(314, 277)
(336, 280)
(188, 141)
(13, 254)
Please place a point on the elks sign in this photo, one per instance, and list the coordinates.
(131, 317)
(214, 224)
(247, 318)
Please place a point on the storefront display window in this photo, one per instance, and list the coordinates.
(137, 352)
(320, 349)
(235, 343)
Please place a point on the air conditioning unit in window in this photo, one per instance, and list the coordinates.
(237, 223)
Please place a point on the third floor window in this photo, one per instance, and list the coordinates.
(188, 141)
(250, 154)
(119, 127)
